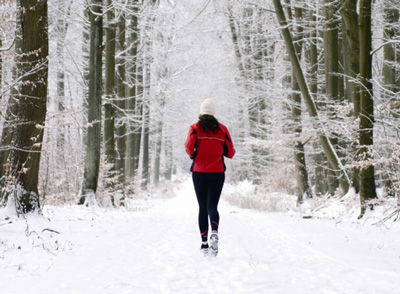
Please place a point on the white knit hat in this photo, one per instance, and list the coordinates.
(208, 107)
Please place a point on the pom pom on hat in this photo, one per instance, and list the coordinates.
(208, 107)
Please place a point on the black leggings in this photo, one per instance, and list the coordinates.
(208, 187)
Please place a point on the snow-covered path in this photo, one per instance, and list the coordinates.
(157, 251)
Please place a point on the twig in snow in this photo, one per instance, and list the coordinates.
(50, 230)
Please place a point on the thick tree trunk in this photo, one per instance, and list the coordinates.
(110, 99)
(121, 127)
(303, 188)
(93, 146)
(348, 73)
(327, 146)
(147, 95)
(121, 81)
(320, 184)
(32, 102)
(1, 65)
(351, 34)
(367, 171)
(350, 18)
(109, 139)
(331, 47)
(135, 90)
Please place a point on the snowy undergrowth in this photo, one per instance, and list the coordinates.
(339, 208)
(33, 235)
(44, 235)
(247, 195)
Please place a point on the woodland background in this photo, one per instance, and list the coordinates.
(97, 96)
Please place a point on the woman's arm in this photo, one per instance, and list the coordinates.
(191, 142)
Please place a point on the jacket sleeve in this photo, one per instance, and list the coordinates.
(190, 143)
(229, 150)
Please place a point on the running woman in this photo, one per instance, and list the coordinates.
(207, 143)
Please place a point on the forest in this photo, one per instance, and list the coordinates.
(97, 96)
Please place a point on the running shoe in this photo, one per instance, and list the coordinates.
(214, 240)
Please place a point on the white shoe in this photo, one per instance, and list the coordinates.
(214, 240)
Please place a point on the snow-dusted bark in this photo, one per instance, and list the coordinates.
(366, 126)
(32, 103)
(93, 147)
(121, 123)
(134, 107)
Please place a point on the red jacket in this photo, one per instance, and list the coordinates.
(208, 149)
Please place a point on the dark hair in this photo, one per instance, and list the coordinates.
(208, 123)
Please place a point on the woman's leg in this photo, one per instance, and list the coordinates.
(201, 189)
(215, 185)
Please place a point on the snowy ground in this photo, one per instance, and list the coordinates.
(156, 250)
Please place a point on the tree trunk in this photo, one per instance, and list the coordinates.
(367, 172)
(7, 135)
(9, 122)
(391, 31)
(303, 187)
(320, 171)
(86, 65)
(159, 138)
(326, 145)
(249, 74)
(121, 141)
(320, 186)
(348, 73)
(62, 27)
(135, 91)
(147, 61)
(331, 47)
(169, 160)
(121, 80)
(109, 111)
(351, 34)
(146, 121)
(350, 18)
(32, 102)
(93, 147)
(1, 65)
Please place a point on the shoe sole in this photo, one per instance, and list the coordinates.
(214, 246)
